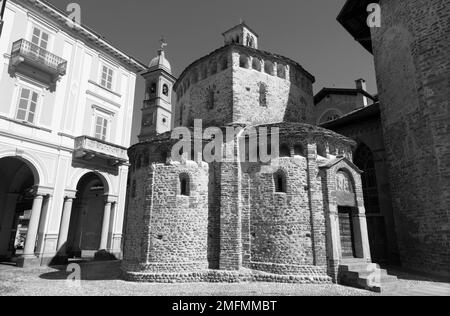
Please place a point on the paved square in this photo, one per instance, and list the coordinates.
(104, 280)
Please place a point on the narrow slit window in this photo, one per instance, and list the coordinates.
(184, 185)
(280, 182)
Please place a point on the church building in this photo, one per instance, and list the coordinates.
(298, 218)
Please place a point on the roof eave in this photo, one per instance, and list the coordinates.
(353, 17)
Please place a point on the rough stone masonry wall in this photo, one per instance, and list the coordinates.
(412, 50)
(280, 223)
(196, 95)
(179, 224)
(166, 232)
(134, 250)
(286, 101)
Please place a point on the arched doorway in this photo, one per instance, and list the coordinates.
(85, 228)
(16, 202)
(376, 225)
(347, 208)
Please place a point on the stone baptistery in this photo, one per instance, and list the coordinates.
(298, 217)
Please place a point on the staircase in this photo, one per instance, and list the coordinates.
(369, 276)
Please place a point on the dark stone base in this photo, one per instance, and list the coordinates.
(218, 276)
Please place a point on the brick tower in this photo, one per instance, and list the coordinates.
(411, 51)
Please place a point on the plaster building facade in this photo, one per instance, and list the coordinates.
(411, 50)
(66, 100)
(299, 217)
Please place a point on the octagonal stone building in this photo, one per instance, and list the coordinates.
(297, 217)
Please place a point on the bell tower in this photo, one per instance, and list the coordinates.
(157, 109)
(241, 34)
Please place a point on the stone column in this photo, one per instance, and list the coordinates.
(317, 216)
(33, 227)
(105, 226)
(113, 215)
(361, 236)
(230, 211)
(65, 223)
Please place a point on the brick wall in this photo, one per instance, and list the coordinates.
(411, 52)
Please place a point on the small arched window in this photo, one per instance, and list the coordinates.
(153, 88)
(224, 63)
(262, 94)
(256, 64)
(279, 179)
(210, 97)
(269, 67)
(204, 72)
(285, 151)
(166, 90)
(244, 61)
(250, 41)
(321, 150)
(185, 187)
(281, 71)
(299, 150)
(213, 68)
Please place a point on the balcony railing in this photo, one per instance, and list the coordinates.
(89, 148)
(27, 52)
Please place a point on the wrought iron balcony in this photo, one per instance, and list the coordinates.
(34, 60)
(89, 148)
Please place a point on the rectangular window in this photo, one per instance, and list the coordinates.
(107, 77)
(40, 40)
(101, 127)
(26, 111)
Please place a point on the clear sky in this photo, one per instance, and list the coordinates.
(303, 30)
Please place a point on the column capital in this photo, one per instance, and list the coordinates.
(70, 194)
(43, 191)
(111, 198)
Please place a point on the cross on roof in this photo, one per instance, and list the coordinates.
(163, 43)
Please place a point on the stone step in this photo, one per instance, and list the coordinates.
(366, 273)
(365, 276)
(358, 264)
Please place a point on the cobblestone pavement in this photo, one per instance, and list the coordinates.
(104, 281)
